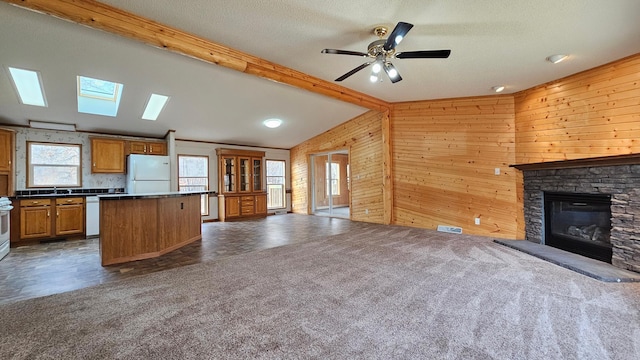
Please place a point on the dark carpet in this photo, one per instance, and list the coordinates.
(384, 292)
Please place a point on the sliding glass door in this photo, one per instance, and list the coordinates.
(330, 188)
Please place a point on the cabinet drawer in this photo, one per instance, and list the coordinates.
(69, 201)
(246, 198)
(38, 202)
(247, 210)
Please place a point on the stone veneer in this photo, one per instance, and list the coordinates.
(622, 182)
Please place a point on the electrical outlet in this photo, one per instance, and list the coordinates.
(497, 171)
(366, 211)
(477, 220)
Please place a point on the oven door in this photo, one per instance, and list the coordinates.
(4, 226)
(4, 233)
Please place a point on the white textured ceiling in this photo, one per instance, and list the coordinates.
(492, 41)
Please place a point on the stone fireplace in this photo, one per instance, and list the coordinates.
(616, 179)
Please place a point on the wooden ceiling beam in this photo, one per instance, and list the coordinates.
(116, 21)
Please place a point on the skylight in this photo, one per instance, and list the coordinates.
(28, 84)
(154, 106)
(98, 97)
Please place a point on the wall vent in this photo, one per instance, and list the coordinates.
(450, 229)
(280, 212)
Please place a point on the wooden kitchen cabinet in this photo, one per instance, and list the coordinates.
(48, 218)
(35, 219)
(148, 147)
(232, 206)
(107, 156)
(70, 216)
(240, 185)
(6, 150)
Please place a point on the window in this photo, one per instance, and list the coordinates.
(52, 165)
(193, 175)
(275, 184)
(333, 179)
(98, 97)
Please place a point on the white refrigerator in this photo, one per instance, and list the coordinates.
(147, 174)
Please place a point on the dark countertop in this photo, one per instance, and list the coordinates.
(152, 195)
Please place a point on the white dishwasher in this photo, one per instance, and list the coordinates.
(92, 215)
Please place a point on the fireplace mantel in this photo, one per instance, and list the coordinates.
(630, 159)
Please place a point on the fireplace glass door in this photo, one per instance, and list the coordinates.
(579, 223)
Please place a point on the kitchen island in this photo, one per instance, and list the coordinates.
(142, 226)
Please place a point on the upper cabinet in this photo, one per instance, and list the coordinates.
(240, 171)
(107, 156)
(6, 150)
(148, 147)
(6, 162)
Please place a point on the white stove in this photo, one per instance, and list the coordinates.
(5, 210)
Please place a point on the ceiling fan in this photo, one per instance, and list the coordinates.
(382, 51)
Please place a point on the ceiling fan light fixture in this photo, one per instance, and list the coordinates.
(376, 68)
(373, 78)
(557, 58)
(498, 88)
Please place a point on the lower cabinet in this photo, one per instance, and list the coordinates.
(70, 216)
(241, 206)
(44, 219)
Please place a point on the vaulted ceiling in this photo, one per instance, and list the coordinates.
(497, 42)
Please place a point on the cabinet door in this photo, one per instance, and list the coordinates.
(69, 219)
(157, 148)
(107, 156)
(261, 204)
(244, 182)
(137, 147)
(6, 151)
(228, 173)
(35, 222)
(256, 163)
(232, 206)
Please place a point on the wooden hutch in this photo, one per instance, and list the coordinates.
(241, 193)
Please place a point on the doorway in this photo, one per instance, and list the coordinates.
(331, 184)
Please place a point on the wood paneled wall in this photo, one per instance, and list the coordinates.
(590, 114)
(362, 136)
(445, 153)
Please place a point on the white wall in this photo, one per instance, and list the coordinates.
(185, 147)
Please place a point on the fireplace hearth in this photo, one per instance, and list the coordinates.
(579, 223)
(614, 177)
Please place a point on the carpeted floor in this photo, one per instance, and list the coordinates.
(385, 292)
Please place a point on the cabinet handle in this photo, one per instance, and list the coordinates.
(58, 213)
(35, 202)
(94, 164)
(69, 200)
(48, 213)
(145, 148)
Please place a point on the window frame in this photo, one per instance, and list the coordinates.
(30, 166)
(205, 197)
(284, 183)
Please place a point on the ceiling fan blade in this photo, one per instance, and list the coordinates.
(353, 71)
(343, 52)
(393, 74)
(398, 33)
(424, 54)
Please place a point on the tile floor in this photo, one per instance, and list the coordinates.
(50, 268)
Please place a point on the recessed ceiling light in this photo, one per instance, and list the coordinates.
(154, 106)
(28, 85)
(557, 58)
(498, 88)
(272, 123)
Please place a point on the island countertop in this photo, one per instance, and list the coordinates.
(123, 196)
